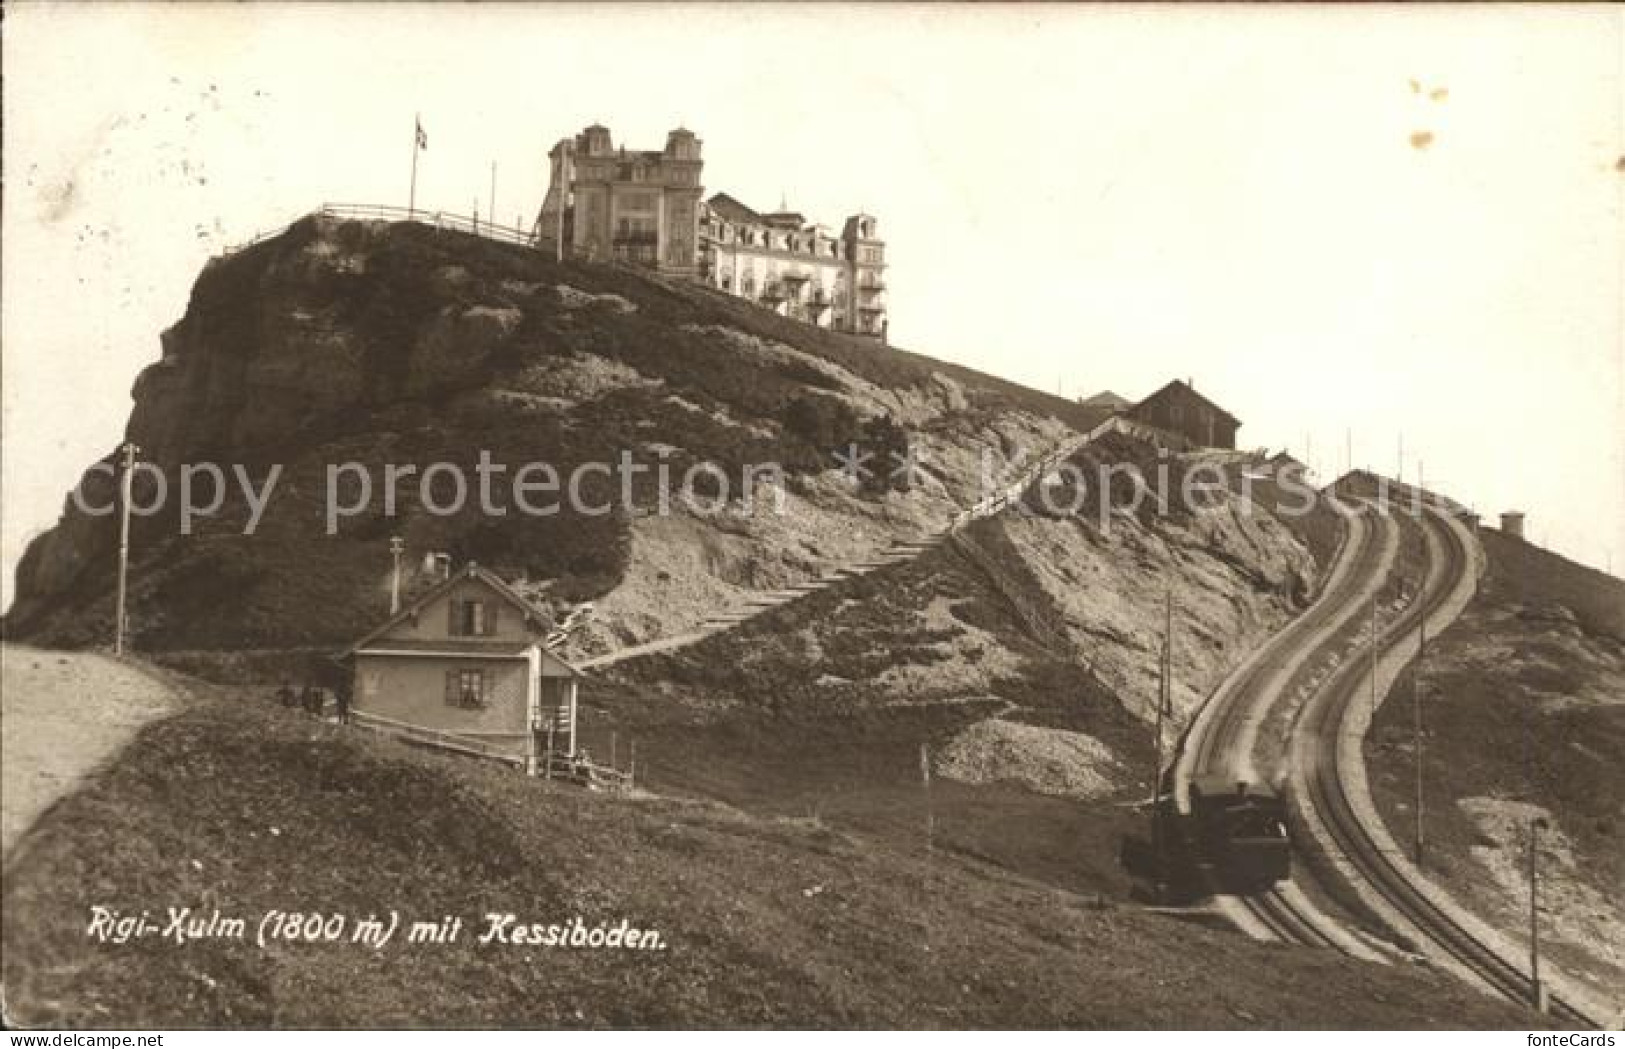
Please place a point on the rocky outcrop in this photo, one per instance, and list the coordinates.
(1233, 575)
(399, 344)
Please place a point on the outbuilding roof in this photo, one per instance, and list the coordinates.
(535, 617)
(1107, 399)
(1180, 388)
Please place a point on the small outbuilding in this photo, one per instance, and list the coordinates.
(1283, 465)
(1108, 401)
(465, 666)
(1178, 409)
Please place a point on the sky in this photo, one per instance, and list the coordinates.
(1357, 228)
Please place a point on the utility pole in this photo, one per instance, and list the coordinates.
(1373, 658)
(1348, 449)
(1537, 993)
(1164, 693)
(128, 451)
(925, 786)
(1400, 476)
(396, 546)
(491, 201)
(1416, 704)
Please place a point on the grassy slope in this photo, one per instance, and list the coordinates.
(753, 718)
(821, 707)
(768, 921)
(1491, 734)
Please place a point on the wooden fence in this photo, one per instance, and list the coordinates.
(507, 748)
(473, 746)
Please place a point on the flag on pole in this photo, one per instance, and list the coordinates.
(420, 142)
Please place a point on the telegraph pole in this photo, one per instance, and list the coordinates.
(1537, 993)
(925, 786)
(1164, 693)
(396, 546)
(1373, 658)
(128, 451)
(1164, 662)
(491, 201)
(1416, 704)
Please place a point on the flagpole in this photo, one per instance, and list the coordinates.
(412, 194)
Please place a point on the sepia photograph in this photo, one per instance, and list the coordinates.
(832, 516)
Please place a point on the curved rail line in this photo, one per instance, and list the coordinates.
(1214, 743)
(1321, 750)
(1222, 737)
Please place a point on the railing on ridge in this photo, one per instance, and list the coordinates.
(389, 213)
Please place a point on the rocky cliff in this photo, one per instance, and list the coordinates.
(375, 345)
(361, 346)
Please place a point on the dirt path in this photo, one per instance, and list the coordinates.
(63, 714)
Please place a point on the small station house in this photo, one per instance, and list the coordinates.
(465, 667)
(1178, 409)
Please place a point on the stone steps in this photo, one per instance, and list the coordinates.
(898, 552)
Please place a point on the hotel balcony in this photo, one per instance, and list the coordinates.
(635, 237)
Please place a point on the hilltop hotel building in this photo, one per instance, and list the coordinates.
(645, 208)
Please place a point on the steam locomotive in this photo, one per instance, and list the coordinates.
(1233, 840)
(1237, 831)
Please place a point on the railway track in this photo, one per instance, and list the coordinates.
(1222, 738)
(1324, 749)
(1327, 781)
